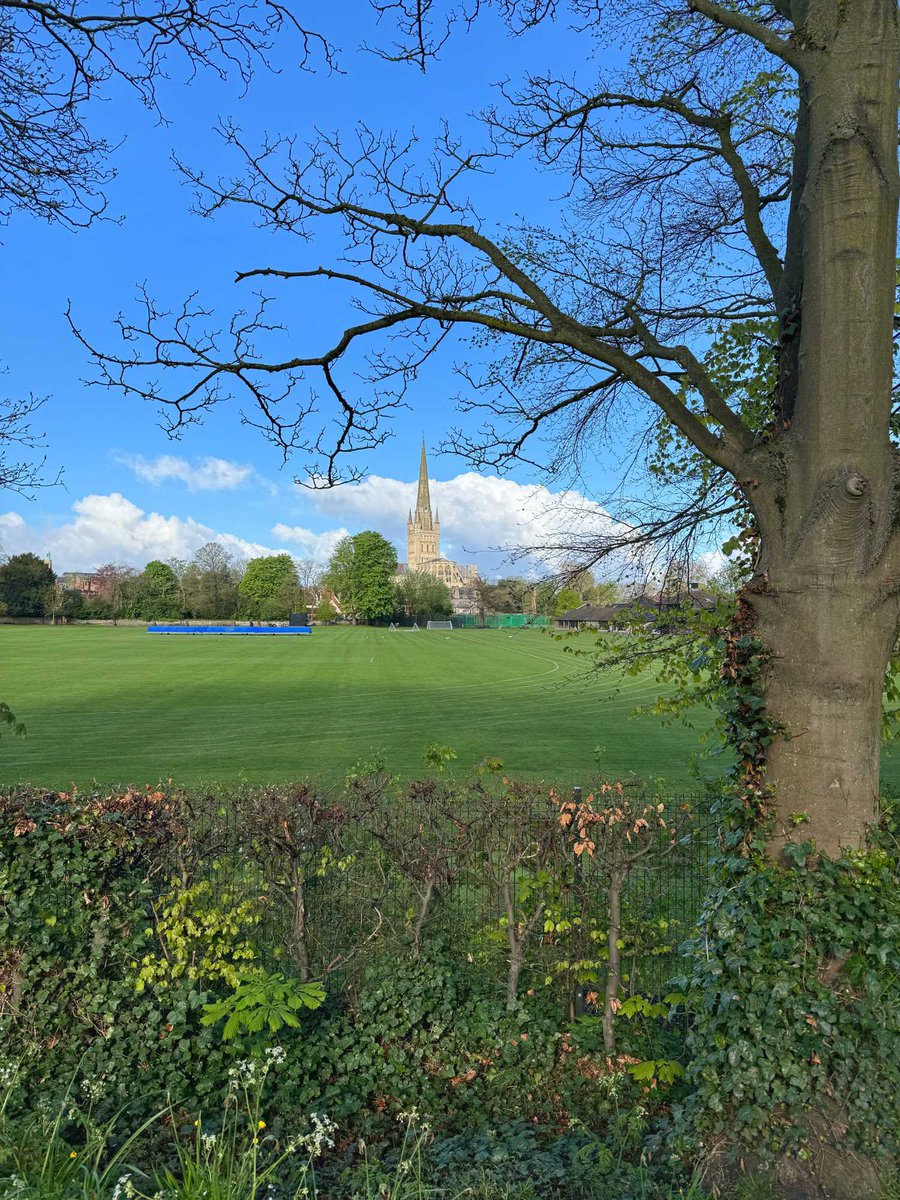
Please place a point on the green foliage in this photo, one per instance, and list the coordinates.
(685, 659)
(360, 573)
(568, 598)
(210, 583)
(264, 1001)
(438, 757)
(325, 612)
(422, 596)
(796, 991)
(26, 584)
(269, 589)
(202, 934)
(158, 594)
(71, 604)
(742, 363)
(8, 719)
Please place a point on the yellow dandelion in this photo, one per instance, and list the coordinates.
(74, 1154)
(261, 1125)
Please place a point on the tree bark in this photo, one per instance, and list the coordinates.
(425, 900)
(824, 487)
(614, 969)
(298, 947)
(517, 935)
(829, 642)
(516, 948)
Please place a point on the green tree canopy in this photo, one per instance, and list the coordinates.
(325, 611)
(360, 573)
(566, 599)
(210, 583)
(269, 589)
(26, 582)
(158, 593)
(607, 592)
(423, 597)
(516, 592)
(71, 603)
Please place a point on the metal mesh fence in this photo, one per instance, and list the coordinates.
(501, 621)
(485, 874)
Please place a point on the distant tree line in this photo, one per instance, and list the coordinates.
(361, 582)
(213, 585)
(363, 574)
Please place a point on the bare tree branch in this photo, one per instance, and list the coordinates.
(730, 18)
(54, 59)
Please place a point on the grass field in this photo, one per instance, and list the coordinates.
(116, 705)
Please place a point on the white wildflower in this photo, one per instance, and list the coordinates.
(244, 1072)
(92, 1088)
(319, 1137)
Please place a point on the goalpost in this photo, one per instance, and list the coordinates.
(440, 625)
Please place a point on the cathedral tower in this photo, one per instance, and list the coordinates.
(423, 531)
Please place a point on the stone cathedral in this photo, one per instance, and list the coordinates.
(423, 548)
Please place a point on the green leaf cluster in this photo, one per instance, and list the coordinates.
(202, 934)
(264, 1001)
(796, 992)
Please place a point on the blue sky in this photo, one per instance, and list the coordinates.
(129, 492)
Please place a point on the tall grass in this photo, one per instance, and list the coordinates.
(63, 1153)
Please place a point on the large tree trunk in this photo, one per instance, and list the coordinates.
(826, 588)
(828, 641)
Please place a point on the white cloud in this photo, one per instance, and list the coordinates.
(491, 520)
(113, 529)
(317, 546)
(205, 475)
(498, 523)
(712, 561)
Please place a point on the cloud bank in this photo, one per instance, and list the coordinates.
(499, 523)
(113, 529)
(502, 525)
(205, 475)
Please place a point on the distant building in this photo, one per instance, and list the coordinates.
(423, 550)
(85, 582)
(655, 609)
(589, 616)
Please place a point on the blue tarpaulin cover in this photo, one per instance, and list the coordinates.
(230, 630)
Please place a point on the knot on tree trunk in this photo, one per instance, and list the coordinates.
(857, 484)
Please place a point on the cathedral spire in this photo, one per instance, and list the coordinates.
(423, 500)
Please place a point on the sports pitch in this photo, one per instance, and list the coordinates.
(118, 706)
